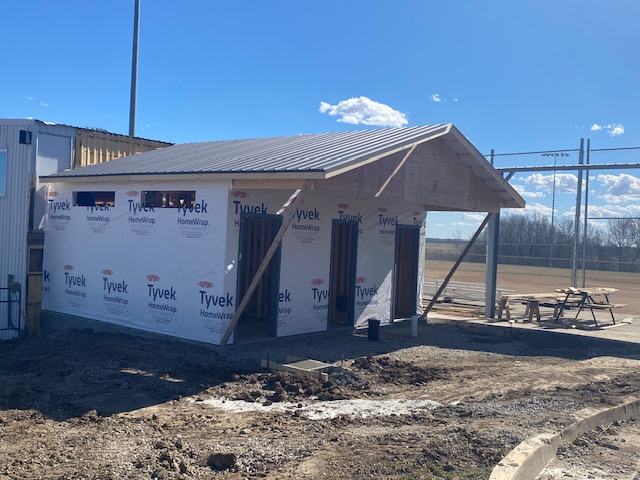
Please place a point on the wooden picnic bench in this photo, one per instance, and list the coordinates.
(585, 298)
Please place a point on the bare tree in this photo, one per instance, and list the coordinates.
(622, 237)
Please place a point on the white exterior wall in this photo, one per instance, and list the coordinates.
(137, 267)
(306, 253)
(147, 270)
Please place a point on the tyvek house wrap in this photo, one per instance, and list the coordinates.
(173, 271)
(138, 267)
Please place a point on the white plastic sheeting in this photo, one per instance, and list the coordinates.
(173, 270)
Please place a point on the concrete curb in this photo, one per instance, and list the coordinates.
(532, 456)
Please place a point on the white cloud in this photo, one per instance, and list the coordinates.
(527, 194)
(31, 99)
(615, 211)
(532, 210)
(621, 188)
(436, 98)
(564, 182)
(462, 224)
(362, 110)
(617, 130)
(614, 129)
(455, 99)
(474, 216)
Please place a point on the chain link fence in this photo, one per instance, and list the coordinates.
(546, 245)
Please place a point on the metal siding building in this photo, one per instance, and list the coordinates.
(35, 148)
(16, 210)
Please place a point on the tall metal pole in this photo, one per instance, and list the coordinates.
(134, 70)
(586, 208)
(553, 214)
(576, 231)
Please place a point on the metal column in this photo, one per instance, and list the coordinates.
(134, 70)
(576, 231)
(491, 268)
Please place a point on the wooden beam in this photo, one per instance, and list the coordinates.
(292, 204)
(457, 264)
(396, 170)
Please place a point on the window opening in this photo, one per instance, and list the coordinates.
(94, 199)
(168, 199)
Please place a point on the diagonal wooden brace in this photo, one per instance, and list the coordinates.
(293, 204)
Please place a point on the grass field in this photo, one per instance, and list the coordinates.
(525, 279)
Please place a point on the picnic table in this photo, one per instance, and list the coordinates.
(595, 298)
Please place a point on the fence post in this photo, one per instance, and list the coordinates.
(576, 231)
(586, 217)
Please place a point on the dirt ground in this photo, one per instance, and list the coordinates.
(445, 405)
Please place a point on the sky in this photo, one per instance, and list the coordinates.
(515, 76)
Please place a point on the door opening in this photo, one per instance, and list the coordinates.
(260, 317)
(406, 271)
(342, 282)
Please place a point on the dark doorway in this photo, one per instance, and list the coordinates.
(342, 282)
(406, 271)
(260, 317)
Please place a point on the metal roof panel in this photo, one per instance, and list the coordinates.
(325, 154)
(310, 152)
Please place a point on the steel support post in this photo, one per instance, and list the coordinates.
(491, 268)
(586, 211)
(576, 230)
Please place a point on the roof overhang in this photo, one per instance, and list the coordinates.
(470, 155)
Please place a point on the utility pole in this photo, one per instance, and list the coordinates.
(134, 70)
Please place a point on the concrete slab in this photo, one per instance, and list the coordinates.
(626, 329)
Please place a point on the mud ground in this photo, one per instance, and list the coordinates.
(446, 405)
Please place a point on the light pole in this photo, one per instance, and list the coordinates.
(134, 70)
(555, 156)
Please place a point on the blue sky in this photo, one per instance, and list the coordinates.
(511, 75)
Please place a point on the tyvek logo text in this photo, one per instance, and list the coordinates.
(212, 301)
(240, 208)
(114, 290)
(160, 299)
(284, 298)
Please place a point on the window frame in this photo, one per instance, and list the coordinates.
(168, 198)
(101, 198)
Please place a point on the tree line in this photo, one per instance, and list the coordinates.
(613, 245)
